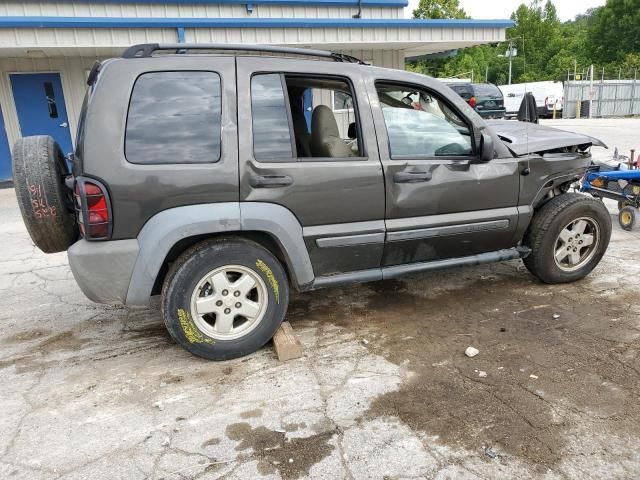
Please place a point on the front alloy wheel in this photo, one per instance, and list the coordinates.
(576, 244)
(567, 236)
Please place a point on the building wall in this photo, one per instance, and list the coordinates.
(140, 10)
(73, 74)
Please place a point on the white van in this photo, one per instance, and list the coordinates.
(547, 94)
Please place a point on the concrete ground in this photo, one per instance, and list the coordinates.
(384, 389)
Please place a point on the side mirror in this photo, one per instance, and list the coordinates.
(487, 149)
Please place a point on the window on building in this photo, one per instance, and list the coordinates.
(174, 117)
(421, 125)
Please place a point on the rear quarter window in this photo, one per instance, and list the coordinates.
(463, 90)
(174, 117)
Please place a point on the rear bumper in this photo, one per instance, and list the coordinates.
(103, 269)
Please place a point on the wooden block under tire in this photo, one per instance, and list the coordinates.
(287, 345)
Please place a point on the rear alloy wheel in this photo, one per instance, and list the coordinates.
(229, 302)
(224, 298)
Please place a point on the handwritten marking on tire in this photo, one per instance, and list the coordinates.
(190, 331)
(264, 268)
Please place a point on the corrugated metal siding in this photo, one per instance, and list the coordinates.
(70, 9)
(331, 37)
(611, 98)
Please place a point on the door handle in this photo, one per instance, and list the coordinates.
(64, 125)
(411, 177)
(270, 181)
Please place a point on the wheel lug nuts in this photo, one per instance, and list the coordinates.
(227, 311)
(225, 292)
(236, 293)
(238, 305)
(219, 303)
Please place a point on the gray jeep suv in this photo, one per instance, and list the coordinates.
(221, 176)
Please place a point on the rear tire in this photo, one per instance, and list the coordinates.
(627, 218)
(46, 204)
(568, 237)
(224, 298)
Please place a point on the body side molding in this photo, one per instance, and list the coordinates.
(413, 268)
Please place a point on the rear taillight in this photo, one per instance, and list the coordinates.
(93, 209)
(473, 102)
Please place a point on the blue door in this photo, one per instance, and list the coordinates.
(5, 153)
(40, 106)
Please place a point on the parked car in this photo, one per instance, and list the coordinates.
(548, 95)
(201, 179)
(484, 98)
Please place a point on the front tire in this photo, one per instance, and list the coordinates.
(224, 298)
(568, 237)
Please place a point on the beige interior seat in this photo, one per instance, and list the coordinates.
(325, 136)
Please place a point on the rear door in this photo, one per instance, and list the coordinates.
(337, 195)
(442, 202)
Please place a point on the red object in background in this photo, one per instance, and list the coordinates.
(473, 102)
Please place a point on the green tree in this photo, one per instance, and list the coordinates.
(615, 31)
(608, 37)
(439, 9)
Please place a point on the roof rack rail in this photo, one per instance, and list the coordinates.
(144, 50)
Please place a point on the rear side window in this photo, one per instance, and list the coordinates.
(174, 117)
(271, 132)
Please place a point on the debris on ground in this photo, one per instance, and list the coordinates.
(471, 352)
(535, 377)
(490, 452)
(556, 316)
(482, 374)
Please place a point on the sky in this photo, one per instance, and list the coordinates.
(494, 9)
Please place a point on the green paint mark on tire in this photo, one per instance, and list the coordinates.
(264, 268)
(190, 331)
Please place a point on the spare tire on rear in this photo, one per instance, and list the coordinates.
(46, 203)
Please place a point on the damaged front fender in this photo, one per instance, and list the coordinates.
(523, 138)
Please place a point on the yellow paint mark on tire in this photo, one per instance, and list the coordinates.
(264, 268)
(190, 331)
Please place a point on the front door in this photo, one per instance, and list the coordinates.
(442, 201)
(5, 154)
(329, 175)
(41, 107)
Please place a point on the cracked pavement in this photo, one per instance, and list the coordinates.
(384, 389)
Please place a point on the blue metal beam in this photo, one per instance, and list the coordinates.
(115, 22)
